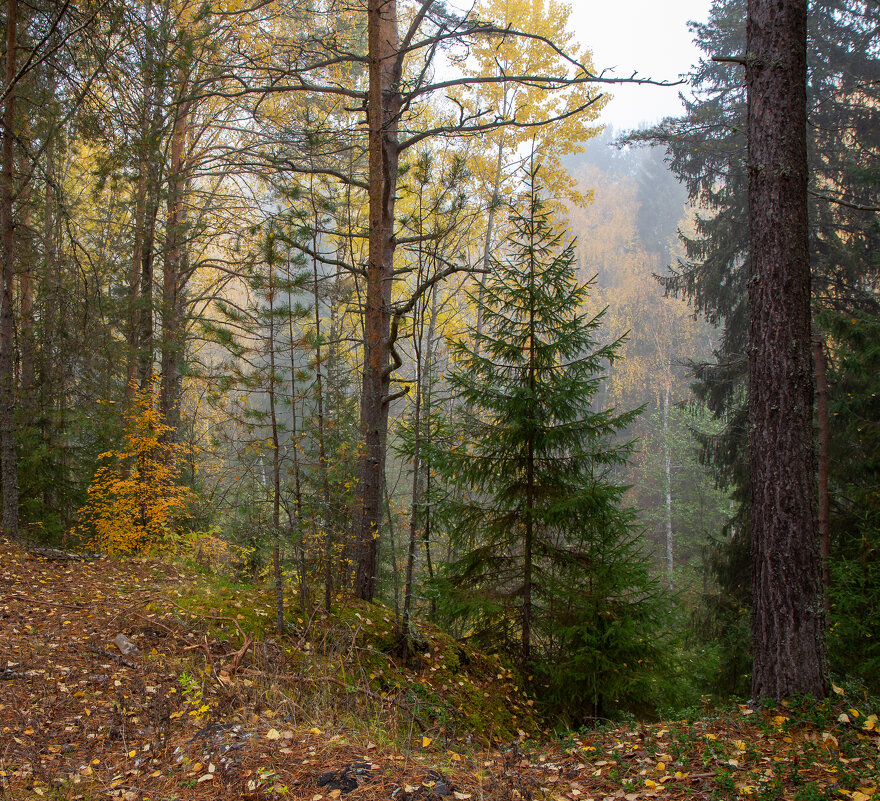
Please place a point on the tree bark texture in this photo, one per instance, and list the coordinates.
(276, 462)
(174, 274)
(787, 620)
(8, 452)
(383, 108)
(27, 348)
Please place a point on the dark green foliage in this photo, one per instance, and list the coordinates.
(547, 566)
(854, 411)
(706, 149)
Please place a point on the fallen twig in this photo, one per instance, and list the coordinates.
(115, 657)
(6, 674)
(210, 617)
(159, 625)
(238, 656)
(61, 556)
(42, 602)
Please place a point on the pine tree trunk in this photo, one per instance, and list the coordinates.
(296, 524)
(8, 451)
(134, 279)
(49, 362)
(322, 441)
(146, 236)
(384, 103)
(429, 385)
(276, 464)
(487, 242)
(787, 622)
(403, 633)
(173, 280)
(27, 344)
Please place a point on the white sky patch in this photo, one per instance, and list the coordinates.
(647, 36)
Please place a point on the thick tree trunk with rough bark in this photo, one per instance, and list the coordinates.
(8, 452)
(787, 621)
(384, 104)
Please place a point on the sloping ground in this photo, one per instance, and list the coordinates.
(207, 708)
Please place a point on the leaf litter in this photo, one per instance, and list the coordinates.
(185, 716)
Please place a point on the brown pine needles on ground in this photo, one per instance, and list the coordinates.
(206, 709)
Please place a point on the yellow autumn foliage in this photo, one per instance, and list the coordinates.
(135, 498)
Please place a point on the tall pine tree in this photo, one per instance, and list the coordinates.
(548, 567)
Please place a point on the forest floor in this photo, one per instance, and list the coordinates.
(195, 715)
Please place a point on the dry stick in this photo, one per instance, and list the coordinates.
(60, 556)
(204, 647)
(162, 626)
(121, 659)
(209, 617)
(305, 633)
(45, 603)
(237, 656)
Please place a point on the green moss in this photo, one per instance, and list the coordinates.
(449, 689)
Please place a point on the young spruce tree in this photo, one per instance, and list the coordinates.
(547, 566)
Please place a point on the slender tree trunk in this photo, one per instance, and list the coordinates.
(173, 271)
(395, 582)
(134, 279)
(319, 398)
(824, 438)
(429, 384)
(27, 342)
(403, 633)
(276, 463)
(487, 242)
(145, 310)
(151, 169)
(296, 523)
(383, 108)
(668, 463)
(530, 473)
(8, 451)
(49, 367)
(787, 621)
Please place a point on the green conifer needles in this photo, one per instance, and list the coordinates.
(546, 566)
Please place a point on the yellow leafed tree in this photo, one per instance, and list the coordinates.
(497, 155)
(135, 498)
